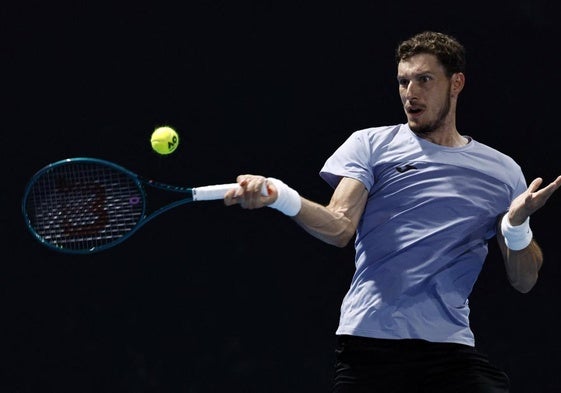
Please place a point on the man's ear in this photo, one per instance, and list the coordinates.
(458, 81)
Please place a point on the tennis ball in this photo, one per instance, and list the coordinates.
(164, 140)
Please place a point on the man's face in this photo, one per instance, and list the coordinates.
(424, 89)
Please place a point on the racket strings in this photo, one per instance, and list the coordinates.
(84, 205)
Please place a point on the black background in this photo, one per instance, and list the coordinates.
(208, 298)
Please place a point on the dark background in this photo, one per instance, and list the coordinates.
(207, 298)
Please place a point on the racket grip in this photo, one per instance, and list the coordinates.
(217, 191)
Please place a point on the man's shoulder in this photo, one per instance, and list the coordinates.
(384, 129)
(493, 153)
(379, 133)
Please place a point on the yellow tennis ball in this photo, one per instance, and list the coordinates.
(164, 140)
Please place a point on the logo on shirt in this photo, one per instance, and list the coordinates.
(405, 168)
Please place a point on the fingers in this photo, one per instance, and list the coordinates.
(534, 185)
(552, 187)
(556, 183)
(546, 191)
(532, 200)
(249, 195)
(231, 198)
(235, 196)
(251, 184)
(535, 198)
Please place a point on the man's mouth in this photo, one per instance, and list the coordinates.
(414, 110)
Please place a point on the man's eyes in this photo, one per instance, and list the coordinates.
(421, 78)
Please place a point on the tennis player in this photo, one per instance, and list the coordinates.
(421, 200)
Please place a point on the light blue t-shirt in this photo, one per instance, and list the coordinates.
(422, 240)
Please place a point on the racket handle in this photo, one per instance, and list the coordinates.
(217, 191)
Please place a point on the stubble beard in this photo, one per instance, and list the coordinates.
(428, 128)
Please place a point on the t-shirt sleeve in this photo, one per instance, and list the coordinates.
(352, 159)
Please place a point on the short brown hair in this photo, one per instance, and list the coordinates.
(447, 49)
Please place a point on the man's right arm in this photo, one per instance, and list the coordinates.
(334, 224)
(337, 222)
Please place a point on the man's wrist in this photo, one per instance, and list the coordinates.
(516, 237)
(288, 200)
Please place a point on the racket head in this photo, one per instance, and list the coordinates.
(83, 205)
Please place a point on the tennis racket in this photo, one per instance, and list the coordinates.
(85, 205)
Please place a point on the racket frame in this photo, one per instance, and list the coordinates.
(141, 184)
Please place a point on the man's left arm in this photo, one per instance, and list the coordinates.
(522, 266)
(522, 255)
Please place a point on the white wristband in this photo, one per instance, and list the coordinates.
(288, 200)
(516, 237)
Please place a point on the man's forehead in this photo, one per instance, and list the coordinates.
(419, 64)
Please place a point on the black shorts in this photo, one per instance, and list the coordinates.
(413, 366)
